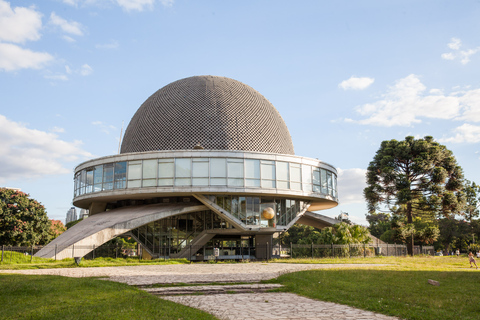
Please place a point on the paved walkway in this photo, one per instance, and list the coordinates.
(263, 306)
(189, 273)
(217, 300)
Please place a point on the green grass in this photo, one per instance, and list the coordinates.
(19, 261)
(399, 289)
(54, 297)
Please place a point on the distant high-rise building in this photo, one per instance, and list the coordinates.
(71, 215)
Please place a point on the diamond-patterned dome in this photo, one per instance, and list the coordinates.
(216, 113)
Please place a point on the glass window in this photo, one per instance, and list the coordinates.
(316, 176)
(218, 181)
(108, 176)
(295, 176)
(242, 209)
(252, 169)
(268, 173)
(253, 210)
(295, 173)
(89, 180)
(307, 177)
(252, 183)
(282, 171)
(235, 182)
(200, 168)
(163, 182)
(268, 170)
(199, 181)
(97, 178)
(150, 169)
(120, 175)
(218, 168)
(235, 168)
(252, 173)
(165, 168)
(329, 183)
(83, 180)
(182, 181)
(268, 184)
(134, 170)
(334, 187)
(323, 176)
(182, 168)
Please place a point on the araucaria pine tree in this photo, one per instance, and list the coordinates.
(419, 175)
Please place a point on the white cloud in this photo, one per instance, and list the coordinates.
(71, 2)
(465, 133)
(30, 153)
(68, 39)
(167, 3)
(86, 70)
(112, 44)
(356, 83)
(455, 44)
(137, 5)
(351, 183)
(448, 56)
(19, 24)
(13, 57)
(106, 128)
(407, 102)
(57, 129)
(60, 77)
(462, 55)
(71, 27)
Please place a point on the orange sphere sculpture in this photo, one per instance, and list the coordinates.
(268, 213)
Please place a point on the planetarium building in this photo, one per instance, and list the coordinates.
(206, 162)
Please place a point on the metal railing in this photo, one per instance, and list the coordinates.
(16, 254)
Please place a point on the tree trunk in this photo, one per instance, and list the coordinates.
(410, 221)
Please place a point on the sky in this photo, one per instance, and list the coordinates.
(345, 76)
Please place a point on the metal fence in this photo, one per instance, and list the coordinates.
(11, 254)
(345, 251)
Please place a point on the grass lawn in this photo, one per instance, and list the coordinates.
(19, 261)
(400, 289)
(54, 297)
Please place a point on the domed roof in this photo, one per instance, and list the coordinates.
(216, 113)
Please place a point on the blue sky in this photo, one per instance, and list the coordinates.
(345, 75)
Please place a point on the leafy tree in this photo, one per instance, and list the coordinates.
(344, 233)
(454, 234)
(379, 223)
(56, 229)
(23, 221)
(300, 234)
(72, 223)
(472, 195)
(419, 174)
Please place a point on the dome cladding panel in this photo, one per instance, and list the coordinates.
(216, 112)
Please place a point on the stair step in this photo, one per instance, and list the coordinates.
(212, 289)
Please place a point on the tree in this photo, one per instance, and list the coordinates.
(56, 229)
(379, 223)
(472, 195)
(419, 174)
(344, 233)
(72, 223)
(23, 221)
